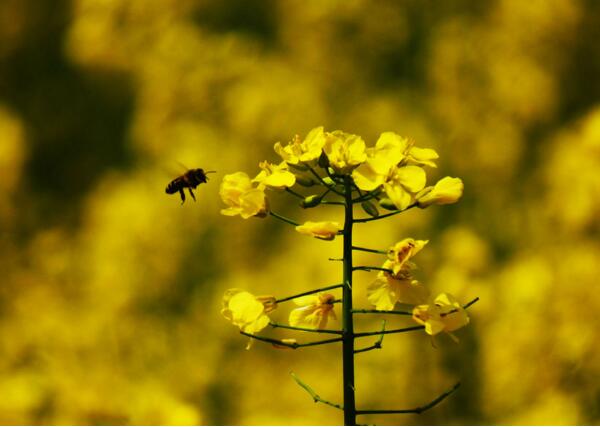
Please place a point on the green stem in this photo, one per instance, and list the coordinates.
(391, 331)
(347, 320)
(377, 344)
(369, 268)
(418, 410)
(292, 192)
(282, 218)
(314, 291)
(364, 311)
(375, 251)
(288, 344)
(385, 215)
(296, 328)
(330, 187)
(313, 394)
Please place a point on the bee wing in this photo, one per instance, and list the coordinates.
(182, 166)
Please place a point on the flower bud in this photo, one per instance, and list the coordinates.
(446, 191)
(311, 201)
(305, 181)
(323, 160)
(387, 204)
(328, 181)
(370, 208)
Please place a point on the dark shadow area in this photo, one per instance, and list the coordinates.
(256, 18)
(75, 123)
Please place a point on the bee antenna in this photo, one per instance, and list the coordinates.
(210, 171)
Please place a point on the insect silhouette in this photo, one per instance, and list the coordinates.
(190, 180)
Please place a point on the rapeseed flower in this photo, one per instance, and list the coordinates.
(313, 311)
(298, 151)
(344, 151)
(446, 191)
(388, 289)
(326, 230)
(444, 315)
(275, 176)
(242, 197)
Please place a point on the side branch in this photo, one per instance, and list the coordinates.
(417, 410)
(365, 311)
(370, 268)
(295, 328)
(314, 395)
(401, 312)
(293, 345)
(391, 331)
(375, 251)
(385, 215)
(314, 291)
(330, 187)
(282, 218)
(377, 343)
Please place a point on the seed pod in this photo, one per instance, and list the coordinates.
(370, 208)
(310, 201)
(387, 204)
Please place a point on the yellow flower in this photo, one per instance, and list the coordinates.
(344, 151)
(388, 289)
(313, 311)
(446, 191)
(302, 151)
(325, 230)
(390, 150)
(387, 153)
(402, 251)
(242, 198)
(247, 311)
(403, 183)
(275, 176)
(444, 315)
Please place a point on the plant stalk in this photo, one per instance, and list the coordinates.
(347, 320)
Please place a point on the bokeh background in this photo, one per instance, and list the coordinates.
(110, 290)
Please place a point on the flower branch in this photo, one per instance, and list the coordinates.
(417, 410)
(385, 215)
(314, 395)
(284, 219)
(314, 291)
(377, 344)
(293, 345)
(275, 325)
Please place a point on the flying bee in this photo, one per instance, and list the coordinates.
(190, 180)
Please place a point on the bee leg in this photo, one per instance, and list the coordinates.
(192, 193)
(182, 194)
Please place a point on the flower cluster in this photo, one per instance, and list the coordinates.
(392, 174)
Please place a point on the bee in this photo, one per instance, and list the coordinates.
(190, 180)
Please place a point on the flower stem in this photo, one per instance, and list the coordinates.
(375, 251)
(313, 394)
(282, 218)
(385, 215)
(314, 291)
(295, 328)
(347, 320)
(370, 268)
(288, 344)
(390, 331)
(418, 410)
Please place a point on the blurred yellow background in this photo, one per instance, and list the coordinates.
(110, 290)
